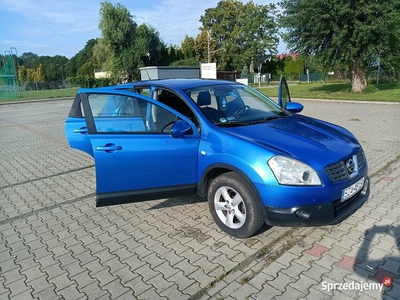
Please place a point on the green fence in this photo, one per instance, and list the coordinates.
(8, 76)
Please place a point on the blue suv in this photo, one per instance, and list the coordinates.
(254, 160)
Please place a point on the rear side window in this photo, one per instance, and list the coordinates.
(98, 103)
(116, 106)
(117, 113)
(128, 114)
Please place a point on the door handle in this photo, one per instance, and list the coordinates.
(81, 130)
(110, 148)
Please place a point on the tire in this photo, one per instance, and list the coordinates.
(234, 205)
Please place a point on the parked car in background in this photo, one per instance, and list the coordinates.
(255, 161)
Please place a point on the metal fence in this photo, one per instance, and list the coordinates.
(37, 90)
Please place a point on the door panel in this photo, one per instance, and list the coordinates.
(76, 130)
(143, 161)
(77, 135)
(135, 155)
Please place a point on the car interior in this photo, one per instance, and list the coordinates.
(204, 102)
(162, 117)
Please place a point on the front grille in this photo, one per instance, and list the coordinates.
(338, 171)
(361, 160)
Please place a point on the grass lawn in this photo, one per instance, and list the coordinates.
(40, 94)
(337, 91)
(316, 90)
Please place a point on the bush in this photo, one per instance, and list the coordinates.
(89, 82)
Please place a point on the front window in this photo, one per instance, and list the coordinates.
(235, 104)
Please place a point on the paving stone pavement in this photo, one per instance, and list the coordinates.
(56, 245)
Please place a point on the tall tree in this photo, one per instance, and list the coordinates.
(102, 55)
(29, 60)
(132, 46)
(149, 44)
(82, 57)
(242, 32)
(27, 74)
(343, 32)
(117, 26)
(174, 53)
(51, 67)
(187, 47)
(87, 69)
(205, 47)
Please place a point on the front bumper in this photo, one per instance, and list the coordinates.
(313, 215)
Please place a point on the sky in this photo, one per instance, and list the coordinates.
(62, 27)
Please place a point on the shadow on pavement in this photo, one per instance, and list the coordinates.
(378, 269)
(177, 201)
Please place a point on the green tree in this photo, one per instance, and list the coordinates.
(82, 57)
(343, 32)
(149, 44)
(174, 53)
(103, 55)
(27, 74)
(117, 26)
(245, 72)
(244, 31)
(29, 60)
(86, 70)
(131, 46)
(51, 67)
(187, 47)
(22, 74)
(204, 46)
(293, 66)
(191, 62)
(38, 74)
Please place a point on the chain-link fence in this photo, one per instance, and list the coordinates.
(339, 76)
(38, 90)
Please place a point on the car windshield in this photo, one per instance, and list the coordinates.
(234, 104)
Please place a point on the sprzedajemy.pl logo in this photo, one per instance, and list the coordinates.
(356, 286)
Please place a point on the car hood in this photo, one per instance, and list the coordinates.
(304, 138)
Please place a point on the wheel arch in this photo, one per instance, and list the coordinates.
(215, 170)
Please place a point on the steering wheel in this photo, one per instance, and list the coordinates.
(240, 111)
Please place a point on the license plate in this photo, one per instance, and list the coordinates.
(352, 190)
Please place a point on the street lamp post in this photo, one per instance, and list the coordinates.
(208, 46)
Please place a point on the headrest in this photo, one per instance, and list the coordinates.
(204, 98)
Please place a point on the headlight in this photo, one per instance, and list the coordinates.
(293, 172)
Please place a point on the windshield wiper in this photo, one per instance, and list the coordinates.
(232, 124)
(270, 118)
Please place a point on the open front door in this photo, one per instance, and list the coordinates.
(283, 93)
(135, 160)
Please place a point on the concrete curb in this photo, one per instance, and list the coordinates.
(35, 100)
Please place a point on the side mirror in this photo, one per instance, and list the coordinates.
(294, 107)
(283, 93)
(180, 128)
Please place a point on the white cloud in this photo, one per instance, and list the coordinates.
(52, 17)
(175, 18)
(51, 27)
